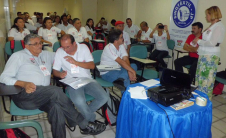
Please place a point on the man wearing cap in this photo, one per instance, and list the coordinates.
(120, 26)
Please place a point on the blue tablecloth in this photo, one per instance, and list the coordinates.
(144, 119)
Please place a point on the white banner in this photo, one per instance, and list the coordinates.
(183, 15)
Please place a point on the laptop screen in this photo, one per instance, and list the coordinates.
(175, 78)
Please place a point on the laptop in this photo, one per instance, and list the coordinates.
(175, 86)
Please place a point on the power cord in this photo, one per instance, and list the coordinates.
(167, 118)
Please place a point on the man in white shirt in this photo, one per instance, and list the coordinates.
(131, 28)
(143, 36)
(31, 69)
(28, 26)
(120, 26)
(65, 25)
(34, 18)
(76, 61)
(39, 22)
(115, 54)
(78, 32)
(27, 20)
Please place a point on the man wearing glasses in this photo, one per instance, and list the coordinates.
(31, 69)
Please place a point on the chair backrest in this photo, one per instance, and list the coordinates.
(138, 51)
(97, 55)
(56, 46)
(171, 44)
(17, 47)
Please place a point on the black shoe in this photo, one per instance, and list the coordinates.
(93, 129)
(119, 83)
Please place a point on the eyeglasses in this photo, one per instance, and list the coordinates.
(64, 48)
(36, 44)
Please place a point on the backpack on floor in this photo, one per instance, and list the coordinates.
(13, 133)
(110, 109)
(218, 88)
(100, 45)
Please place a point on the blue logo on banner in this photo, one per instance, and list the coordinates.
(183, 13)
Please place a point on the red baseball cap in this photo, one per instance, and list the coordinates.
(119, 22)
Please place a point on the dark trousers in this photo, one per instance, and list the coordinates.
(158, 56)
(186, 60)
(59, 107)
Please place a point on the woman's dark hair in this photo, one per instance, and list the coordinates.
(69, 20)
(15, 21)
(114, 35)
(59, 18)
(113, 21)
(62, 17)
(69, 15)
(45, 20)
(87, 23)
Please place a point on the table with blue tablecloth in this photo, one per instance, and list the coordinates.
(139, 118)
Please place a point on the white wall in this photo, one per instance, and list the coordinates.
(110, 9)
(89, 10)
(44, 6)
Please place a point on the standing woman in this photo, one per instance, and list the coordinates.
(18, 30)
(209, 51)
(90, 28)
(48, 33)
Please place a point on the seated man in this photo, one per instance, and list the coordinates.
(76, 61)
(30, 69)
(64, 25)
(143, 35)
(120, 26)
(131, 28)
(192, 58)
(115, 54)
(78, 32)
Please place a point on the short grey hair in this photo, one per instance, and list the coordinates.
(74, 20)
(27, 38)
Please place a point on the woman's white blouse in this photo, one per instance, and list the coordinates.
(210, 38)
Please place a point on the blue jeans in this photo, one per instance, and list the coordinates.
(115, 74)
(78, 98)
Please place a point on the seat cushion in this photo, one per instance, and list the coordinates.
(14, 110)
(148, 74)
(104, 83)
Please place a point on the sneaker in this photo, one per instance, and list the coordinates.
(119, 83)
(93, 129)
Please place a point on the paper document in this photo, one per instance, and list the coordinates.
(138, 92)
(98, 40)
(108, 68)
(150, 83)
(76, 82)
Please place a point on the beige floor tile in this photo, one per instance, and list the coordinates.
(7, 119)
(106, 134)
(220, 99)
(216, 133)
(224, 119)
(220, 125)
(214, 119)
(218, 113)
(98, 116)
(88, 137)
(222, 108)
(216, 103)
